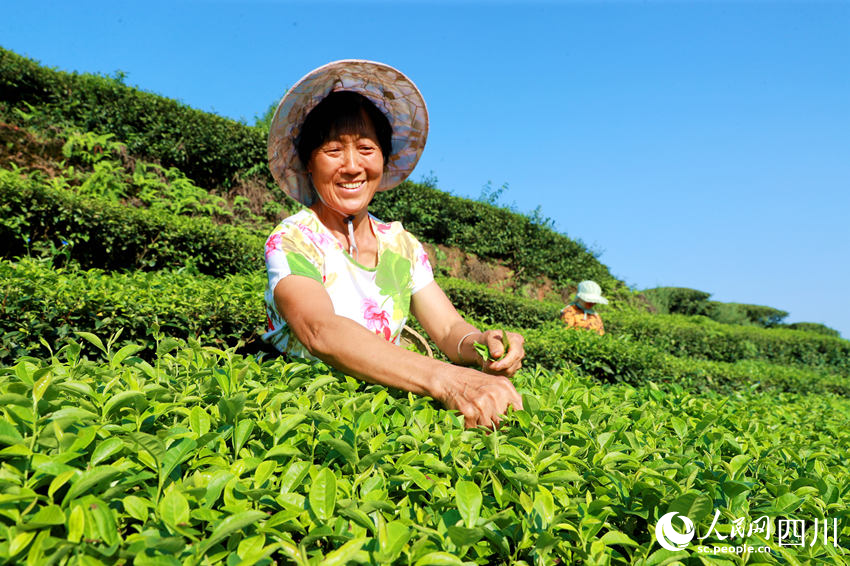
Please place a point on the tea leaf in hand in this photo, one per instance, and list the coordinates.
(482, 350)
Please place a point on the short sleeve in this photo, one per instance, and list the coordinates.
(290, 252)
(423, 274)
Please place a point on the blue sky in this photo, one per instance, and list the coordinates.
(694, 144)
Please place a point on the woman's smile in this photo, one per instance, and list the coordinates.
(352, 186)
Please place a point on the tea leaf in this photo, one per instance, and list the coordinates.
(439, 559)
(174, 508)
(92, 339)
(345, 553)
(76, 524)
(89, 479)
(468, 498)
(105, 449)
(176, 454)
(323, 494)
(233, 523)
(136, 507)
(124, 353)
(199, 420)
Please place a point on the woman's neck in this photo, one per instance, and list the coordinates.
(364, 237)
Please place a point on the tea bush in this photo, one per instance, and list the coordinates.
(615, 358)
(201, 456)
(491, 306)
(701, 338)
(98, 232)
(813, 327)
(210, 149)
(38, 302)
(687, 337)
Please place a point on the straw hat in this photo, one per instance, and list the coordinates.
(590, 292)
(390, 90)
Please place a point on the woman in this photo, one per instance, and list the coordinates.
(341, 282)
(580, 313)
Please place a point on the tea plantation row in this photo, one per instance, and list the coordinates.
(201, 456)
(39, 302)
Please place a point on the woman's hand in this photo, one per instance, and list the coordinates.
(509, 364)
(481, 399)
(455, 337)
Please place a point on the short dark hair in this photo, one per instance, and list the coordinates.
(342, 112)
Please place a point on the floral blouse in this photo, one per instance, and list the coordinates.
(377, 298)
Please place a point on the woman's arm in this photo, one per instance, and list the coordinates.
(455, 337)
(351, 348)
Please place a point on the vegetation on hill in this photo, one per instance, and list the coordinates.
(217, 154)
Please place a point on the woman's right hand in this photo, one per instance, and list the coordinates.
(482, 399)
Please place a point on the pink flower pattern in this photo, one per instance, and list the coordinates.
(377, 319)
(273, 243)
(382, 227)
(323, 241)
(423, 259)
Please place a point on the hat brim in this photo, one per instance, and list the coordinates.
(389, 89)
(598, 299)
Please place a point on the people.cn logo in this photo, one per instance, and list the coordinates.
(667, 535)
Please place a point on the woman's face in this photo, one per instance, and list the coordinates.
(347, 170)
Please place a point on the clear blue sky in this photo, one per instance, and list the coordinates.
(695, 144)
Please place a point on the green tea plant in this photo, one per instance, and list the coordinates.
(107, 234)
(202, 456)
(209, 149)
(41, 302)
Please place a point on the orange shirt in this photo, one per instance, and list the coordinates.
(572, 315)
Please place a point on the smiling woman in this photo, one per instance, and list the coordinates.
(341, 283)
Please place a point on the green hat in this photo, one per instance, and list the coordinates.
(590, 292)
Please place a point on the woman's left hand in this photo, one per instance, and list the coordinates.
(509, 364)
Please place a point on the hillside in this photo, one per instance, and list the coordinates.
(144, 421)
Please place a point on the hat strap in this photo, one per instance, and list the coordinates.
(352, 243)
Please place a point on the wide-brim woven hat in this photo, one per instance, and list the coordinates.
(591, 292)
(389, 89)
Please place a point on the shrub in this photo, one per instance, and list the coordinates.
(702, 338)
(39, 303)
(101, 233)
(815, 327)
(203, 456)
(697, 337)
(493, 307)
(678, 300)
(530, 248)
(619, 358)
(209, 149)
